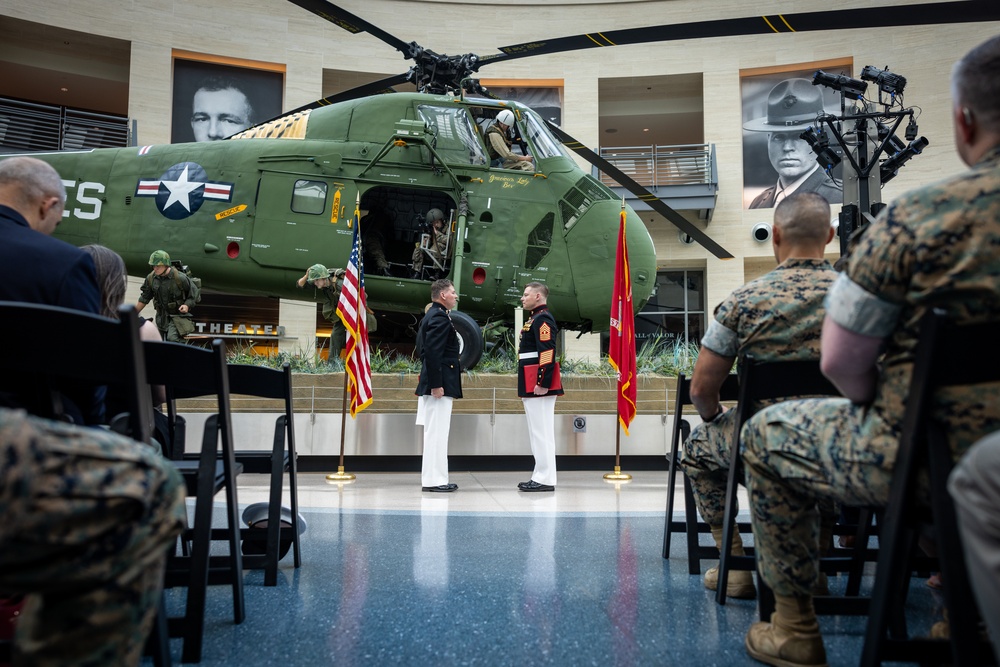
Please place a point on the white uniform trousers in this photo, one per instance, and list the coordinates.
(541, 414)
(435, 415)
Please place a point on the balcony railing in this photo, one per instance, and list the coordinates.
(684, 176)
(655, 166)
(31, 126)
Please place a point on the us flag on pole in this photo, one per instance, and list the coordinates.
(621, 349)
(352, 309)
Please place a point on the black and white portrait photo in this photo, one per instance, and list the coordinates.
(777, 108)
(212, 101)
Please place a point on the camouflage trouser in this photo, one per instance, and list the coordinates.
(705, 460)
(338, 338)
(420, 256)
(795, 454)
(87, 519)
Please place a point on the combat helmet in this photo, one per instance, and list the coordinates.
(317, 271)
(159, 258)
(434, 215)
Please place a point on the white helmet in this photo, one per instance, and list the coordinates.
(506, 117)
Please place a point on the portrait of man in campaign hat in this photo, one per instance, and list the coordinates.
(777, 108)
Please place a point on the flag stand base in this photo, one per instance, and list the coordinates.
(341, 476)
(617, 475)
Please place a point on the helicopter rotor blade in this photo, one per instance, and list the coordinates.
(642, 193)
(351, 23)
(960, 11)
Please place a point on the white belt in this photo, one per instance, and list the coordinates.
(528, 355)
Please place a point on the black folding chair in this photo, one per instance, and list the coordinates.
(761, 381)
(270, 383)
(111, 354)
(692, 526)
(188, 371)
(947, 355)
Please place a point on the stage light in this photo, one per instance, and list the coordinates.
(852, 89)
(819, 142)
(891, 167)
(886, 81)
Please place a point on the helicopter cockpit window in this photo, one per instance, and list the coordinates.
(542, 140)
(539, 242)
(309, 197)
(454, 133)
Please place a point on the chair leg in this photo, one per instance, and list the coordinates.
(673, 456)
(691, 529)
(963, 617)
(235, 554)
(158, 642)
(891, 574)
(859, 553)
(728, 525)
(293, 491)
(194, 617)
(274, 507)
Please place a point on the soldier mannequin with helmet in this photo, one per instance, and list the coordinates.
(329, 282)
(498, 144)
(438, 246)
(172, 295)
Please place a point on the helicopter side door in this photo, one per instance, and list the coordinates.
(302, 220)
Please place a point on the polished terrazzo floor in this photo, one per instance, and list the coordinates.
(490, 576)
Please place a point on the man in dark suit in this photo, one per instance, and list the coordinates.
(440, 383)
(40, 269)
(792, 106)
(37, 267)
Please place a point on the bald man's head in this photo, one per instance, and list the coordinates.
(34, 189)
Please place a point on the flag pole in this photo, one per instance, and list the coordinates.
(355, 357)
(621, 352)
(340, 475)
(618, 475)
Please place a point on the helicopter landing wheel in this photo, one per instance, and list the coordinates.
(470, 339)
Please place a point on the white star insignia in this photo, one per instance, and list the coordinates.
(180, 191)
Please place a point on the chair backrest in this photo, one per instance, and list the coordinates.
(102, 352)
(729, 392)
(187, 371)
(777, 381)
(265, 383)
(947, 355)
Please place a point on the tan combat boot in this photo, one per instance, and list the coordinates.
(791, 639)
(740, 583)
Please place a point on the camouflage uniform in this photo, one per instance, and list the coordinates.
(88, 516)
(331, 296)
(935, 247)
(438, 248)
(167, 296)
(776, 316)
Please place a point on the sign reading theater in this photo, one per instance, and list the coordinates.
(228, 328)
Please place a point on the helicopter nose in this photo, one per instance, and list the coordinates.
(593, 244)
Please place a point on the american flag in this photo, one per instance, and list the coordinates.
(352, 309)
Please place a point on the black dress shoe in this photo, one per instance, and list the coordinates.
(535, 486)
(443, 488)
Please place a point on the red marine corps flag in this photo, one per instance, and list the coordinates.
(352, 309)
(621, 350)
